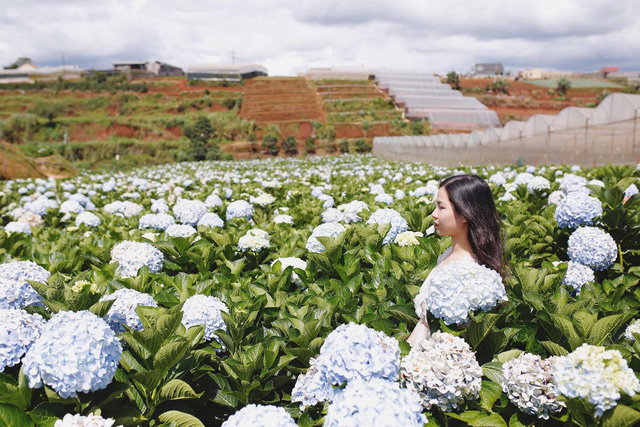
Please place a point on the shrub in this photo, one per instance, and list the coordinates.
(344, 146)
(310, 145)
(362, 146)
(290, 145)
(270, 142)
(19, 128)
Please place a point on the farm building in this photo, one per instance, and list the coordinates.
(29, 73)
(225, 72)
(487, 70)
(324, 73)
(145, 68)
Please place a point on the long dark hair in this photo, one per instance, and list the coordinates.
(471, 197)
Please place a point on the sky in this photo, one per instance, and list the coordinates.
(291, 36)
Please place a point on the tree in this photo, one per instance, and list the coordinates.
(563, 86)
(310, 145)
(344, 146)
(290, 145)
(199, 132)
(365, 127)
(454, 80)
(20, 61)
(500, 86)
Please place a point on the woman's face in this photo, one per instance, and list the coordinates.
(446, 220)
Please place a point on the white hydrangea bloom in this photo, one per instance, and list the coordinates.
(633, 328)
(254, 240)
(408, 238)
(329, 229)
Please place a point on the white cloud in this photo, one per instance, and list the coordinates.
(288, 36)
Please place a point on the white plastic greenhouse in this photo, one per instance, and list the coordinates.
(608, 133)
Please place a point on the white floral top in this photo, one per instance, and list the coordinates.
(451, 290)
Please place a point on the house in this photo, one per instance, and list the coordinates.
(487, 70)
(147, 69)
(530, 74)
(604, 72)
(225, 72)
(30, 73)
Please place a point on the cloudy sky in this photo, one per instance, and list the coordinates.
(290, 36)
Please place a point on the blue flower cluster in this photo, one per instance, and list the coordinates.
(180, 230)
(204, 310)
(592, 247)
(189, 211)
(570, 183)
(76, 352)
(577, 209)
(211, 219)
(18, 331)
(375, 402)
(88, 219)
(329, 229)
(389, 216)
(260, 416)
(40, 205)
(15, 291)
(577, 275)
(452, 290)
(131, 256)
(384, 198)
(123, 310)
(159, 221)
(239, 209)
(213, 201)
(125, 209)
(71, 206)
(349, 352)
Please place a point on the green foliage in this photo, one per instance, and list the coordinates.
(454, 80)
(344, 146)
(290, 145)
(362, 146)
(310, 145)
(500, 85)
(563, 86)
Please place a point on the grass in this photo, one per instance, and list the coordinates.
(575, 83)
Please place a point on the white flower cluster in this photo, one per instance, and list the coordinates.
(389, 216)
(349, 352)
(523, 178)
(260, 416)
(292, 262)
(204, 310)
(17, 227)
(577, 275)
(29, 218)
(592, 247)
(159, 221)
(88, 218)
(90, 420)
(570, 183)
(384, 198)
(528, 382)
(283, 219)
(18, 331)
(126, 209)
(123, 310)
(351, 210)
(40, 205)
(577, 209)
(444, 370)
(213, 201)
(76, 352)
(631, 190)
(596, 374)
(263, 200)
(15, 291)
(452, 290)
(211, 219)
(180, 230)
(131, 256)
(538, 183)
(633, 328)
(189, 211)
(254, 240)
(239, 209)
(408, 238)
(329, 229)
(375, 402)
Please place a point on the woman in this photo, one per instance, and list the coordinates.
(468, 275)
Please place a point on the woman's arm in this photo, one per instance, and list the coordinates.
(420, 332)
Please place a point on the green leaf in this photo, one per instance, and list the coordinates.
(226, 399)
(177, 390)
(101, 309)
(181, 419)
(403, 314)
(478, 330)
(554, 349)
(167, 324)
(603, 328)
(493, 371)
(584, 321)
(170, 354)
(148, 379)
(489, 393)
(566, 327)
(621, 416)
(12, 416)
(46, 414)
(493, 420)
(508, 355)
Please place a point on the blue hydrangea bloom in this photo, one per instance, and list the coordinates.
(17, 227)
(239, 209)
(18, 331)
(375, 402)
(384, 198)
(123, 310)
(76, 352)
(389, 216)
(577, 275)
(204, 310)
(213, 201)
(180, 230)
(329, 229)
(88, 218)
(131, 256)
(15, 292)
(570, 183)
(260, 416)
(159, 221)
(189, 211)
(211, 219)
(577, 209)
(71, 206)
(40, 205)
(592, 247)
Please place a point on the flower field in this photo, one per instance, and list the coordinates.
(282, 292)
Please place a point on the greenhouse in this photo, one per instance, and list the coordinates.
(226, 72)
(608, 133)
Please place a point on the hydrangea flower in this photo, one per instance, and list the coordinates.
(15, 291)
(204, 310)
(577, 275)
(283, 219)
(88, 219)
(570, 183)
(633, 328)
(254, 240)
(260, 416)
(263, 200)
(329, 229)
(159, 206)
(577, 209)
(328, 200)
(349, 352)
(375, 402)
(213, 201)
(592, 247)
(189, 211)
(125, 209)
(123, 310)
(444, 370)
(384, 198)
(18, 331)
(71, 206)
(332, 215)
(211, 219)
(17, 227)
(452, 290)
(76, 352)
(31, 219)
(40, 205)
(498, 179)
(555, 197)
(159, 221)
(180, 230)
(597, 375)
(239, 209)
(538, 183)
(292, 262)
(408, 238)
(528, 382)
(523, 179)
(631, 190)
(351, 210)
(389, 216)
(90, 420)
(131, 256)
